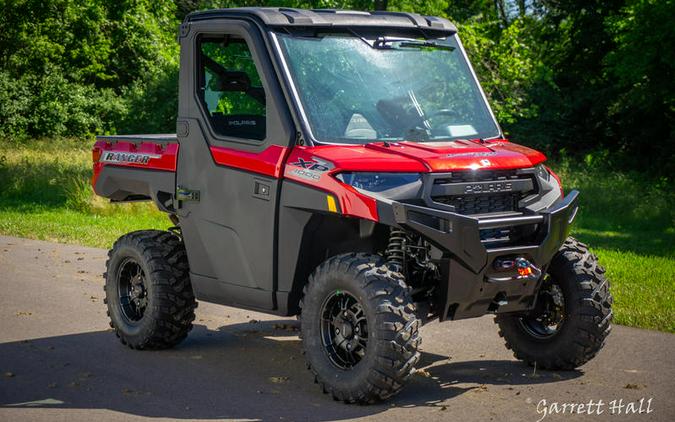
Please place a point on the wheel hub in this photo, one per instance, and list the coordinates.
(133, 295)
(548, 316)
(344, 329)
(138, 293)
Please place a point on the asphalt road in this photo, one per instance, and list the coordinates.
(60, 361)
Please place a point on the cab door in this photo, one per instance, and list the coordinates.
(234, 132)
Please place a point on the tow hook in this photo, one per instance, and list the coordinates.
(527, 271)
(526, 268)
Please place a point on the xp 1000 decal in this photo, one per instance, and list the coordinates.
(311, 169)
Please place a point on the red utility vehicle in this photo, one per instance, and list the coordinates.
(346, 167)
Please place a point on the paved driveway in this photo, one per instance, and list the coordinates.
(59, 361)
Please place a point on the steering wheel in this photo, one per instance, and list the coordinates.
(443, 112)
(441, 128)
(424, 129)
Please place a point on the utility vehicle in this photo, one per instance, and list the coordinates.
(345, 167)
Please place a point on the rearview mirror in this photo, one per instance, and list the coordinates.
(231, 82)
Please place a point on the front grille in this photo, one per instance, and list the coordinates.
(477, 176)
(457, 190)
(482, 203)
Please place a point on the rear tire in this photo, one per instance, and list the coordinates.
(147, 287)
(586, 318)
(359, 329)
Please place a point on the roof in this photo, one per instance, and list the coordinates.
(329, 18)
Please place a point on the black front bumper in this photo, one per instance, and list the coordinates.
(474, 287)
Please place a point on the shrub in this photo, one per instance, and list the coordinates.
(50, 105)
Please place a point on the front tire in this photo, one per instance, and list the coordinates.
(359, 329)
(147, 289)
(572, 318)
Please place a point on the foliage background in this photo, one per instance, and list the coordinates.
(573, 77)
(590, 82)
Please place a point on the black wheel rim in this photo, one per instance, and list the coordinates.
(547, 318)
(344, 329)
(131, 289)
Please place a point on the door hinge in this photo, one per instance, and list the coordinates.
(183, 194)
(184, 30)
(299, 139)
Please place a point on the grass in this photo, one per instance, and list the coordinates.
(45, 194)
(628, 221)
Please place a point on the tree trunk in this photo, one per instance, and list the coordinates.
(522, 7)
(501, 13)
(381, 4)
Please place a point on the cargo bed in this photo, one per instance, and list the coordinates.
(136, 168)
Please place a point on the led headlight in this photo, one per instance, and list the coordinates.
(388, 185)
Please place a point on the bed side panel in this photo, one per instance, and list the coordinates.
(127, 169)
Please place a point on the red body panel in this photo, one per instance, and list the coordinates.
(428, 156)
(268, 162)
(409, 157)
(466, 155)
(162, 156)
(352, 203)
(366, 158)
(278, 161)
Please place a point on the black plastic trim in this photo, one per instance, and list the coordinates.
(159, 137)
(130, 184)
(468, 268)
(329, 18)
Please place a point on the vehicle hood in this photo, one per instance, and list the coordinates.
(428, 156)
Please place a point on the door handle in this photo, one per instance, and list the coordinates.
(261, 190)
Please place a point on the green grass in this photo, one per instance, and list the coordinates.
(45, 194)
(69, 226)
(628, 221)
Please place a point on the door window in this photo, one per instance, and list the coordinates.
(230, 88)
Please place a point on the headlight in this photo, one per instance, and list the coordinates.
(542, 173)
(389, 185)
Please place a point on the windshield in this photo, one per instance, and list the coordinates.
(359, 89)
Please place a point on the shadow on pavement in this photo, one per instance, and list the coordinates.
(242, 371)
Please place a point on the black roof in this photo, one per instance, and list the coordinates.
(329, 18)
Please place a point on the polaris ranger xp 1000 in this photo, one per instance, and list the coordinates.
(346, 167)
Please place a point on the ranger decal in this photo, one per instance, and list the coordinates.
(127, 157)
